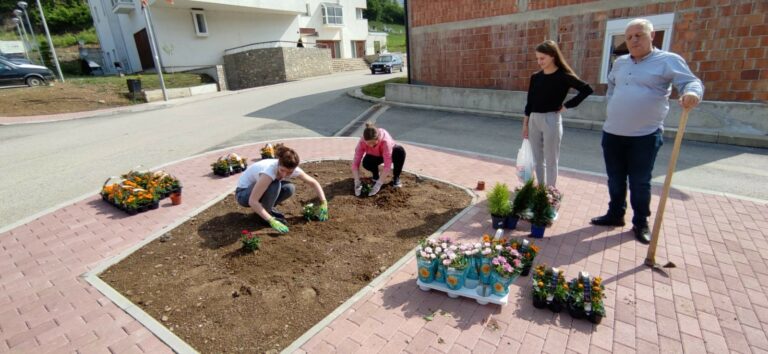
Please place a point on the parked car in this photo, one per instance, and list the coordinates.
(24, 74)
(387, 63)
(16, 60)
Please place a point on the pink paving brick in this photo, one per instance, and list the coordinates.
(715, 299)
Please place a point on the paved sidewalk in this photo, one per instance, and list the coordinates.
(714, 301)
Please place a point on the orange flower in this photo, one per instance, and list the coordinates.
(581, 286)
(565, 286)
(514, 245)
(486, 238)
(596, 289)
(535, 248)
(499, 287)
(598, 280)
(540, 284)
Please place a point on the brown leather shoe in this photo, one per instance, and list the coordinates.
(607, 220)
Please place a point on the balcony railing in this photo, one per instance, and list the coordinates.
(123, 6)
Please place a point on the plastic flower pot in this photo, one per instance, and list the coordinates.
(472, 268)
(500, 284)
(510, 222)
(480, 185)
(556, 305)
(497, 222)
(595, 318)
(454, 278)
(176, 198)
(426, 269)
(537, 231)
(526, 270)
(539, 303)
(575, 311)
(440, 272)
(485, 270)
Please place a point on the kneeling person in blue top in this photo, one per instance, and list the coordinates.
(266, 183)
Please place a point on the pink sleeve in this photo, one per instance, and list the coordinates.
(386, 153)
(359, 151)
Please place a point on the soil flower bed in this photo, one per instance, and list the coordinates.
(198, 281)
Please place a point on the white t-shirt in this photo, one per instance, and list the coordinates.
(267, 167)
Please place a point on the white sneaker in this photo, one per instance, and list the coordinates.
(376, 188)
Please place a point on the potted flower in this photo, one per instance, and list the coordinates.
(486, 254)
(498, 205)
(521, 203)
(456, 265)
(268, 152)
(444, 242)
(426, 259)
(554, 196)
(585, 297)
(472, 253)
(539, 286)
(229, 165)
(596, 298)
(528, 250)
(541, 217)
(250, 241)
(506, 268)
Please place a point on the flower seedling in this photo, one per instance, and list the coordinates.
(250, 241)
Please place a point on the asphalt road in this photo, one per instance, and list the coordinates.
(44, 165)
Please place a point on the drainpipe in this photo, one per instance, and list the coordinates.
(407, 40)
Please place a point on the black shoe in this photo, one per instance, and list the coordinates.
(607, 220)
(642, 234)
(277, 214)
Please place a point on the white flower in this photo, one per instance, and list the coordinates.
(445, 245)
(428, 249)
(438, 249)
(498, 247)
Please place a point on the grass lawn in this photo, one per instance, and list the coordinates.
(377, 89)
(148, 81)
(396, 38)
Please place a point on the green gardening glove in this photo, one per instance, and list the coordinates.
(277, 225)
(323, 215)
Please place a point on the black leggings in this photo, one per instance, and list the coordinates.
(371, 163)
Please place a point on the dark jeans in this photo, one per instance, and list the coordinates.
(630, 157)
(276, 193)
(371, 163)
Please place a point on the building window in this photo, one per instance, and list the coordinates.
(359, 13)
(201, 26)
(614, 44)
(332, 14)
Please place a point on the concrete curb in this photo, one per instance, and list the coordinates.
(699, 135)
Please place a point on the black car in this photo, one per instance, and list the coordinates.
(24, 74)
(15, 60)
(386, 64)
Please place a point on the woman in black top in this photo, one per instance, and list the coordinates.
(543, 125)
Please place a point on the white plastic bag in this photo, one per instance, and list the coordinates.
(525, 162)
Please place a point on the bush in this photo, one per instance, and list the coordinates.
(522, 200)
(541, 208)
(498, 200)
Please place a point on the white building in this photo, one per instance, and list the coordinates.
(195, 33)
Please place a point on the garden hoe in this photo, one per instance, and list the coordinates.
(650, 259)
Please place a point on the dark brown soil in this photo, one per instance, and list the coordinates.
(198, 282)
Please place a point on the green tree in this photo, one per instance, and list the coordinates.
(373, 12)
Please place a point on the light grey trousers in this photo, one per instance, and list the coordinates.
(545, 130)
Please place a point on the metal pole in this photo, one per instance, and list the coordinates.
(18, 28)
(650, 259)
(154, 51)
(407, 41)
(36, 44)
(25, 37)
(50, 41)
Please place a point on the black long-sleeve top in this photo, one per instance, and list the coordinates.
(546, 92)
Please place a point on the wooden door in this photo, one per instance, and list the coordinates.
(145, 51)
(360, 49)
(330, 45)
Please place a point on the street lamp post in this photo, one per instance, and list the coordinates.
(17, 22)
(35, 45)
(50, 41)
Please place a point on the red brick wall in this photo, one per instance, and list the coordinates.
(429, 12)
(725, 43)
(546, 4)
